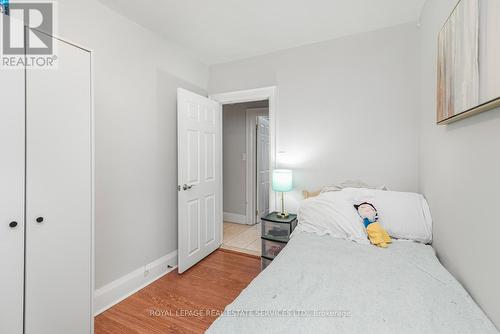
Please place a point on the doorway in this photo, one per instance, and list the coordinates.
(246, 141)
(200, 177)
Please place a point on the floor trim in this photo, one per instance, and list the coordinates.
(235, 218)
(116, 291)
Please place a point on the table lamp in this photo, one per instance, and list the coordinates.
(282, 182)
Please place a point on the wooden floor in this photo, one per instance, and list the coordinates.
(186, 303)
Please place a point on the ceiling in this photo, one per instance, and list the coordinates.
(218, 31)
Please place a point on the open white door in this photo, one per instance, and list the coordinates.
(199, 159)
(262, 166)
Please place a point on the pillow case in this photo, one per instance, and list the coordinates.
(331, 214)
(403, 215)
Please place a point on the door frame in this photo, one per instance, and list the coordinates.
(252, 95)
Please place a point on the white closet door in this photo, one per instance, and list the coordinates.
(11, 200)
(263, 171)
(59, 195)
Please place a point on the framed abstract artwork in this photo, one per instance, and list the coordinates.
(4, 7)
(468, 78)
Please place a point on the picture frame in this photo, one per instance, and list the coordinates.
(468, 68)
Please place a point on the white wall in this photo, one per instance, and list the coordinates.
(460, 177)
(234, 146)
(136, 74)
(347, 108)
(234, 167)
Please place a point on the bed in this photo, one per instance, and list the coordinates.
(321, 284)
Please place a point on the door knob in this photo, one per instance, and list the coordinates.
(13, 224)
(39, 220)
(186, 187)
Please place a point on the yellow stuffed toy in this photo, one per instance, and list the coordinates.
(376, 233)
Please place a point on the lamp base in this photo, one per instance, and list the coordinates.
(283, 215)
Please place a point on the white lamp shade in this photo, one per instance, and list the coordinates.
(282, 180)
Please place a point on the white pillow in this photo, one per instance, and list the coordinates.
(330, 213)
(404, 215)
(351, 184)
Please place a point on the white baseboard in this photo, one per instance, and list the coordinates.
(116, 291)
(235, 218)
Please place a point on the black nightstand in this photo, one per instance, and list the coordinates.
(275, 234)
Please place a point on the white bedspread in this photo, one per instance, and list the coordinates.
(361, 289)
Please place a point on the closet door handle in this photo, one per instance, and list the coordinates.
(13, 224)
(187, 187)
(39, 220)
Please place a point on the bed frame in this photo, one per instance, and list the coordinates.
(309, 194)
